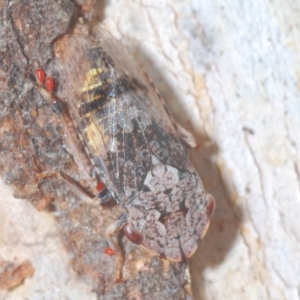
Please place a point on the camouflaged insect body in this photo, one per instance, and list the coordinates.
(134, 146)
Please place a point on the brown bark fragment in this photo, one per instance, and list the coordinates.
(12, 275)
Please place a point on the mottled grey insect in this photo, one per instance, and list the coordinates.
(136, 148)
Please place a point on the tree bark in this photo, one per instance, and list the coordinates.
(228, 73)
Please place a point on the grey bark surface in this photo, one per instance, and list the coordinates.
(229, 73)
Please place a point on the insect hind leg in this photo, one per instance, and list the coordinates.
(186, 137)
(112, 234)
(104, 196)
(75, 187)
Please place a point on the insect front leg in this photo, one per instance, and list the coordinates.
(112, 234)
(102, 197)
(80, 157)
(45, 86)
(186, 137)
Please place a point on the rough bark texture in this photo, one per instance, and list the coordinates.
(229, 75)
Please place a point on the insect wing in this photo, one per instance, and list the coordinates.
(82, 84)
(126, 67)
(119, 114)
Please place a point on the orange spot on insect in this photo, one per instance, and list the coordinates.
(40, 75)
(109, 251)
(49, 84)
(100, 186)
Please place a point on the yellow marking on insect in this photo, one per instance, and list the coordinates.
(87, 115)
(93, 73)
(95, 135)
(89, 87)
(90, 99)
(91, 80)
(95, 97)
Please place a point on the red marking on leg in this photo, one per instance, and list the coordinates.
(100, 186)
(109, 251)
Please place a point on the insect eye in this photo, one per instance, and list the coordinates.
(210, 207)
(133, 235)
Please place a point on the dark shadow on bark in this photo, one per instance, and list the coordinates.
(228, 216)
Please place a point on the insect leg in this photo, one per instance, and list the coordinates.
(112, 237)
(81, 159)
(75, 187)
(62, 111)
(102, 197)
(71, 140)
(186, 137)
